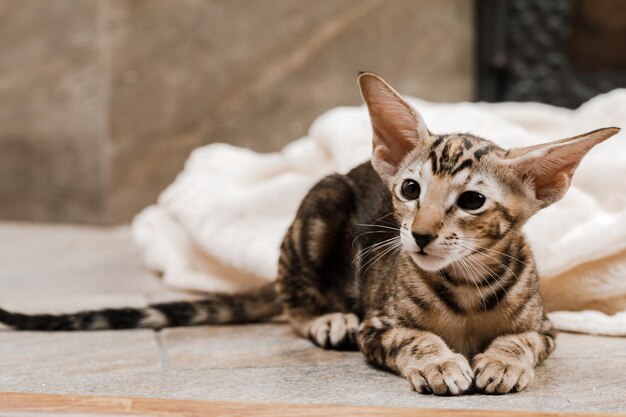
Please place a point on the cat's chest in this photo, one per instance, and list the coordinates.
(468, 334)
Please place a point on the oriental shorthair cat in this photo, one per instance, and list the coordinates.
(416, 258)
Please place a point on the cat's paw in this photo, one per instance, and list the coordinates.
(335, 331)
(447, 375)
(499, 375)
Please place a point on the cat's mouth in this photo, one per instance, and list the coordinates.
(428, 261)
(424, 254)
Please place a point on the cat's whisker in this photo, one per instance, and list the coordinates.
(377, 246)
(372, 261)
(490, 257)
(472, 258)
(480, 293)
(385, 246)
(471, 253)
(362, 259)
(486, 268)
(390, 248)
(476, 268)
(481, 248)
(490, 272)
(516, 232)
(383, 217)
(367, 233)
(378, 225)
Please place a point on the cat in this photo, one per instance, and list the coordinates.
(416, 258)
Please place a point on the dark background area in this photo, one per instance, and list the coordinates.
(560, 52)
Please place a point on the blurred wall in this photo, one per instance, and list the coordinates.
(101, 101)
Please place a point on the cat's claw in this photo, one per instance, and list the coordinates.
(335, 331)
(495, 375)
(450, 375)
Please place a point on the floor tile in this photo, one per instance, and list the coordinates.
(57, 355)
(258, 345)
(570, 345)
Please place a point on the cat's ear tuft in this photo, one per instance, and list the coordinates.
(397, 127)
(549, 167)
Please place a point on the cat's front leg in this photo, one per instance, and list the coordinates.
(508, 363)
(329, 331)
(420, 356)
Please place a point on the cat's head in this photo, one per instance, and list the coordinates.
(456, 193)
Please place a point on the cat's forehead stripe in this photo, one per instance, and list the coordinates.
(451, 154)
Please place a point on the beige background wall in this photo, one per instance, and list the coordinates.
(101, 101)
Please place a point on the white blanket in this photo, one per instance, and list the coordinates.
(219, 225)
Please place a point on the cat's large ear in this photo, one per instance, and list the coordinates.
(397, 127)
(549, 167)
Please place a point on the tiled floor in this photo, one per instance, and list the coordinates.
(65, 268)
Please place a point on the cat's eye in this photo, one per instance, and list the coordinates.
(471, 200)
(410, 189)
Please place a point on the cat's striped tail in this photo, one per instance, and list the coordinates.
(215, 308)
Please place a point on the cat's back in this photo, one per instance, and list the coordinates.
(359, 194)
(372, 198)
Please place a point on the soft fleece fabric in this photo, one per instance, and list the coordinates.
(219, 225)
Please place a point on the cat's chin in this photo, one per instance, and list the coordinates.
(429, 262)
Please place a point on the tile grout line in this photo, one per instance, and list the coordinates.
(165, 359)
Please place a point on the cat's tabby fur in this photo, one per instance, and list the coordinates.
(460, 307)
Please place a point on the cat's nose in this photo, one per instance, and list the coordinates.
(423, 240)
